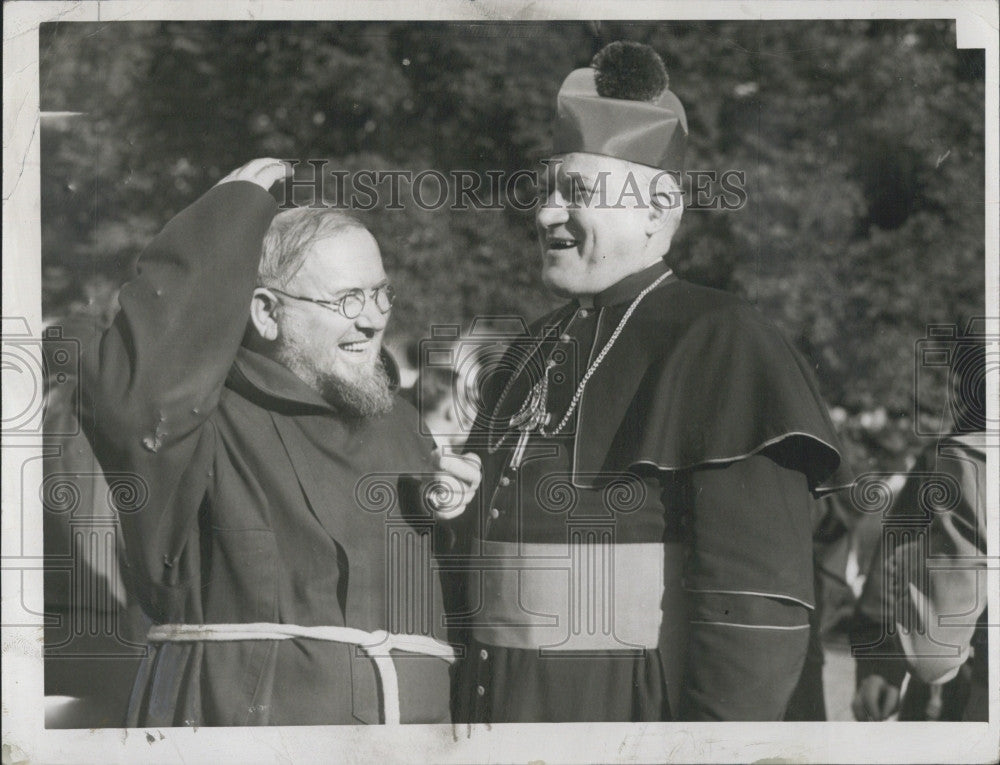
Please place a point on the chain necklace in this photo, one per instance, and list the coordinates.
(532, 415)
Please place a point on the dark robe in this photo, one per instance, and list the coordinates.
(678, 503)
(257, 502)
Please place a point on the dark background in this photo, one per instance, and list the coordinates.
(862, 144)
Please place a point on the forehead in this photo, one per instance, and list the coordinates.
(587, 165)
(349, 258)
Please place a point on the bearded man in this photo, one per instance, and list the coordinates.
(643, 548)
(244, 383)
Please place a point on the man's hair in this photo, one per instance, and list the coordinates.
(291, 235)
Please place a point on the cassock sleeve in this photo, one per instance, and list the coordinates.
(730, 406)
(151, 381)
(749, 583)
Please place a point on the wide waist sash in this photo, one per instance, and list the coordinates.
(585, 595)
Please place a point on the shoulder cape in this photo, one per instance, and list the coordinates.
(698, 378)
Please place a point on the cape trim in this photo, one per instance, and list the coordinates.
(824, 489)
(779, 596)
(751, 626)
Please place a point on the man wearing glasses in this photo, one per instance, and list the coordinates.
(244, 383)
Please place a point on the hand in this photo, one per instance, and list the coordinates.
(265, 172)
(458, 477)
(875, 699)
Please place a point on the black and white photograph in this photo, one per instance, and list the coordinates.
(500, 382)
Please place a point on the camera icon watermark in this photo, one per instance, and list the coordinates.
(37, 370)
(951, 365)
(491, 370)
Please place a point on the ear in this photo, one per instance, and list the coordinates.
(263, 313)
(664, 208)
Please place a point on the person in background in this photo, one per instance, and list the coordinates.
(95, 630)
(443, 400)
(919, 632)
(406, 355)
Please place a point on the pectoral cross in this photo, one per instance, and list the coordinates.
(530, 417)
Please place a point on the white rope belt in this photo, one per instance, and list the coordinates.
(376, 646)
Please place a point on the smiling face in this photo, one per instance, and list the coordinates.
(593, 224)
(337, 356)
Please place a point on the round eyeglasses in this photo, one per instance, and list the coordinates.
(351, 302)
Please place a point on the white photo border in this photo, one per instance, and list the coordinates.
(24, 737)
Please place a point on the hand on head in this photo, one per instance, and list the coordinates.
(265, 172)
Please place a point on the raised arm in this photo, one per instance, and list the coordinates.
(150, 382)
(160, 367)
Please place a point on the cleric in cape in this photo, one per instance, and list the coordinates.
(652, 456)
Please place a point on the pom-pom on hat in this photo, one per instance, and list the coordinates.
(620, 106)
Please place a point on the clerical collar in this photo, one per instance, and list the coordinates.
(626, 289)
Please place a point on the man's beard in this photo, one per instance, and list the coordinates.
(364, 393)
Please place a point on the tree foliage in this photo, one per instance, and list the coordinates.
(862, 144)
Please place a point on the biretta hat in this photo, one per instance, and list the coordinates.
(620, 106)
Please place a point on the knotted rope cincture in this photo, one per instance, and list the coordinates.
(376, 646)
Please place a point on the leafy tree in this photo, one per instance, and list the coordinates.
(862, 145)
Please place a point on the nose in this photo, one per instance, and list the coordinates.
(371, 320)
(552, 211)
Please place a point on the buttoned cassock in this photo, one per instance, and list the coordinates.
(654, 560)
(262, 504)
